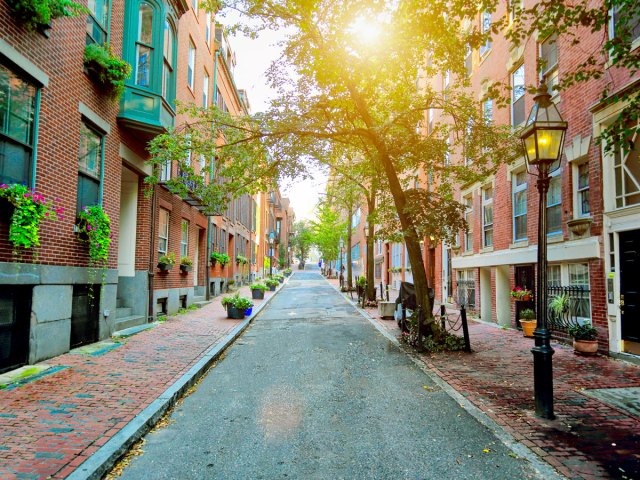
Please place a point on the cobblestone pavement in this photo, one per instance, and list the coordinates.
(589, 438)
(51, 425)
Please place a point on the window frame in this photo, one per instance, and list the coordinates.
(580, 191)
(167, 214)
(550, 72)
(485, 26)
(554, 177)
(191, 65)
(92, 20)
(521, 98)
(468, 217)
(519, 189)
(205, 89)
(487, 227)
(98, 177)
(184, 238)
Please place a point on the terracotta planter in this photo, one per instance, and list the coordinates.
(526, 298)
(585, 347)
(528, 326)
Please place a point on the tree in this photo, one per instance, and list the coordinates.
(302, 240)
(327, 230)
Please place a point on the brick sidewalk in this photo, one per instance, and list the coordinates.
(588, 439)
(51, 425)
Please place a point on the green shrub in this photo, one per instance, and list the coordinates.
(34, 14)
(111, 70)
(583, 332)
(258, 286)
(241, 303)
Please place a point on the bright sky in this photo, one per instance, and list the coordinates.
(253, 60)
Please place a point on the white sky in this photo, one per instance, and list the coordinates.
(253, 60)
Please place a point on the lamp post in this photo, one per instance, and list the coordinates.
(542, 138)
(341, 244)
(271, 239)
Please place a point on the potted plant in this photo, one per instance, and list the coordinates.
(107, 69)
(257, 291)
(560, 304)
(528, 322)
(520, 293)
(166, 262)
(38, 14)
(95, 226)
(585, 339)
(279, 277)
(221, 258)
(186, 264)
(236, 306)
(25, 210)
(272, 283)
(287, 271)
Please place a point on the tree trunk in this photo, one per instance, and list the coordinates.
(371, 286)
(348, 252)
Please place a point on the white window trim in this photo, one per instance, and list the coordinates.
(575, 177)
(191, 65)
(516, 189)
(551, 177)
(166, 232)
(513, 100)
(485, 203)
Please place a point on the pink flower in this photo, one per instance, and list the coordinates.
(89, 227)
(46, 214)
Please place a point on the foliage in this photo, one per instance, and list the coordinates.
(302, 239)
(168, 259)
(112, 70)
(450, 343)
(241, 303)
(259, 286)
(287, 271)
(527, 314)
(361, 281)
(241, 260)
(560, 304)
(30, 208)
(95, 223)
(583, 332)
(186, 261)
(272, 282)
(221, 258)
(327, 231)
(34, 14)
(519, 292)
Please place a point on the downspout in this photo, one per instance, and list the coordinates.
(152, 244)
(207, 269)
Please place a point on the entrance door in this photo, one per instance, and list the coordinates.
(525, 278)
(84, 315)
(15, 308)
(630, 285)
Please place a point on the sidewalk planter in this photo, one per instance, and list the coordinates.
(235, 313)
(272, 283)
(386, 310)
(585, 339)
(248, 311)
(528, 326)
(585, 347)
(257, 294)
(272, 288)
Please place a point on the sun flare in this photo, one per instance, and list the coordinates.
(366, 30)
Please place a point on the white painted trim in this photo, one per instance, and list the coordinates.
(582, 249)
(15, 57)
(94, 118)
(134, 159)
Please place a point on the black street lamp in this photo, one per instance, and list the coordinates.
(271, 240)
(341, 244)
(542, 138)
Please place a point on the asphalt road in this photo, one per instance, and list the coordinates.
(313, 390)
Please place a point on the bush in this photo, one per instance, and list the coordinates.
(34, 14)
(221, 258)
(112, 71)
(168, 259)
(236, 301)
(361, 281)
(186, 261)
(259, 286)
(272, 282)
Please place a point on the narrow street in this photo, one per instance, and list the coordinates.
(313, 390)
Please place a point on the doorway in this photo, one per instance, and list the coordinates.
(15, 315)
(630, 290)
(85, 307)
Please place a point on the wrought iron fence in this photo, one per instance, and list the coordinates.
(466, 293)
(566, 305)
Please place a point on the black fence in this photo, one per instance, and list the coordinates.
(567, 304)
(466, 293)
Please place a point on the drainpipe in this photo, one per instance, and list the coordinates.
(208, 249)
(152, 267)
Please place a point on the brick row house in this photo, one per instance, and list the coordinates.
(68, 137)
(593, 229)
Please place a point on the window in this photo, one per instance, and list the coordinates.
(192, 65)
(487, 111)
(549, 61)
(626, 170)
(583, 190)
(468, 142)
(515, 8)
(144, 45)
(194, 5)
(485, 28)
(468, 217)
(97, 21)
(168, 75)
(579, 277)
(519, 206)
(487, 217)
(355, 252)
(430, 121)
(623, 24)
(205, 90)
(355, 218)
(17, 125)
(446, 78)
(89, 167)
(396, 255)
(163, 232)
(207, 31)
(468, 61)
(554, 199)
(554, 277)
(517, 97)
(184, 238)
(165, 171)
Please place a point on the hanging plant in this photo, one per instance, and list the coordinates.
(108, 69)
(38, 14)
(29, 209)
(94, 227)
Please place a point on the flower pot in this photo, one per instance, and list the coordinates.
(585, 347)
(281, 280)
(257, 294)
(248, 311)
(526, 298)
(272, 288)
(164, 267)
(213, 262)
(186, 268)
(528, 326)
(236, 314)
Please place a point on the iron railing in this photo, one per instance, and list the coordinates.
(571, 303)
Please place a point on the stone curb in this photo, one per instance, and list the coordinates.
(545, 470)
(100, 462)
